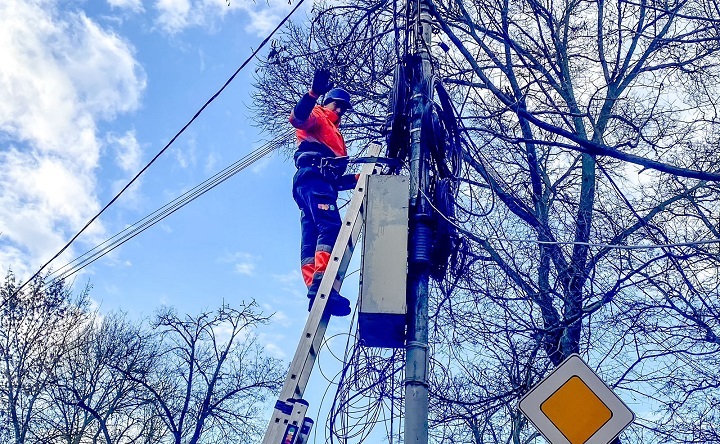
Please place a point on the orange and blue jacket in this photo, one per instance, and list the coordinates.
(320, 128)
(318, 137)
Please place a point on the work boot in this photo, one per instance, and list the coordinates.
(337, 304)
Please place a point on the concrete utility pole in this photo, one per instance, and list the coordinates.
(421, 237)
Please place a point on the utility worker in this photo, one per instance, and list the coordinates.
(321, 161)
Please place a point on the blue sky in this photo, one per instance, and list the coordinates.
(90, 91)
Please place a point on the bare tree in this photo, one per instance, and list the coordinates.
(70, 375)
(208, 378)
(93, 397)
(38, 330)
(588, 203)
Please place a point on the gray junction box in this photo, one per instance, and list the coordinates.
(383, 306)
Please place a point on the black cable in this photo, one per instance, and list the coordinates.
(440, 137)
(406, 43)
(469, 143)
(648, 229)
(182, 130)
(397, 31)
(362, 395)
(166, 210)
(397, 125)
(366, 384)
(449, 117)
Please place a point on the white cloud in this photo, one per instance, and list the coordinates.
(58, 79)
(292, 284)
(211, 162)
(244, 263)
(223, 332)
(246, 268)
(273, 350)
(201, 56)
(128, 156)
(175, 16)
(265, 16)
(291, 277)
(133, 5)
(12, 258)
(271, 341)
(263, 21)
(187, 157)
(261, 165)
(282, 319)
(132, 197)
(127, 151)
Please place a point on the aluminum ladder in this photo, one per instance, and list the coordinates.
(289, 424)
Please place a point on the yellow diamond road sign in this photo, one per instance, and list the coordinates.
(572, 405)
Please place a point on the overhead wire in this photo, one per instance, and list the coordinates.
(162, 151)
(396, 31)
(366, 383)
(166, 210)
(673, 260)
(663, 246)
(366, 394)
(344, 404)
(369, 391)
(364, 391)
(657, 245)
(571, 243)
(469, 140)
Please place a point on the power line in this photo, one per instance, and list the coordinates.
(539, 242)
(673, 261)
(166, 210)
(182, 130)
(587, 244)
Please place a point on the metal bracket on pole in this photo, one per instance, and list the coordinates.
(283, 424)
(417, 357)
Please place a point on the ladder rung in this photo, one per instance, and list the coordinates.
(316, 324)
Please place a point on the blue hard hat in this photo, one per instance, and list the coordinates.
(337, 95)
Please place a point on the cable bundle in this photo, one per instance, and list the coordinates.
(166, 210)
(397, 126)
(369, 393)
(440, 138)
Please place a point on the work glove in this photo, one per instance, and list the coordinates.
(321, 82)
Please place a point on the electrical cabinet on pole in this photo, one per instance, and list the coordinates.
(420, 238)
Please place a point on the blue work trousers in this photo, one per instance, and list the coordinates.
(319, 216)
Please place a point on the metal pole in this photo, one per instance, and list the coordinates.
(416, 366)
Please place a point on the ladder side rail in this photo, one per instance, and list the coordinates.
(317, 321)
(278, 431)
(303, 360)
(318, 338)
